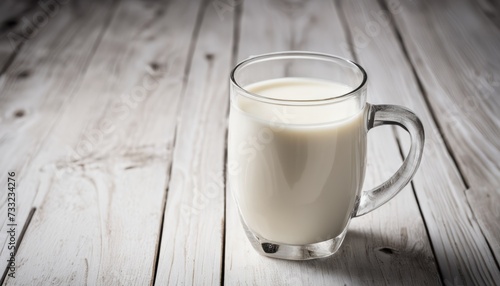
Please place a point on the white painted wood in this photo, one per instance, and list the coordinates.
(141, 125)
(461, 250)
(380, 247)
(100, 208)
(193, 231)
(33, 94)
(461, 64)
(455, 55)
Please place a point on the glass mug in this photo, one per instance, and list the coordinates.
(296, 164)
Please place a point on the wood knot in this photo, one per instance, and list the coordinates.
(23, 74)
(154, 66)
(159, 12)
(209, 57)
(19, 113)
(386, 250)
(10, 23)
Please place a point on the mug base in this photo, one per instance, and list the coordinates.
(293, 251)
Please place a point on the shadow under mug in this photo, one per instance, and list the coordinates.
(297, 182)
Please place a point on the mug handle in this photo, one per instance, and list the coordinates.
(393, 115)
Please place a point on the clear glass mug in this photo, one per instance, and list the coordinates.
(296, 166)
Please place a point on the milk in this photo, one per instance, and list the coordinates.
(296, 171)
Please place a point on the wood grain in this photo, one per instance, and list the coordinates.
(103, 167)
(455, 55)
(444, 210)
(380, 246)
(114, 116)
(192, 242)
(33, 97)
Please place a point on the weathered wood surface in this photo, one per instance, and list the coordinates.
(114, 116)
(33, 97)
(193, 230)
(461, 251)
(456, 56)
(103, 200)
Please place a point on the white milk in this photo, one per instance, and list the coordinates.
(296, 171)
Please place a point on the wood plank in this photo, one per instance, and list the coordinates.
(380, 246)
(462, 253)
(192, 241)
(98, 220)
(10, 12)
(455, 55)
(33, 97)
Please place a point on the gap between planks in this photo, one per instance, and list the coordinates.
(10, 60)
(192, 45)
(348, 33)
(234, 55)
(165, 197)
(187, 70)
(346, 29)
(19, 240)
(414, 191)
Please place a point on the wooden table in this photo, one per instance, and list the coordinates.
(114, 120)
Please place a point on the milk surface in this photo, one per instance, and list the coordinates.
(296, 171)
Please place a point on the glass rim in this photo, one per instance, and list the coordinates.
(296, 55)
